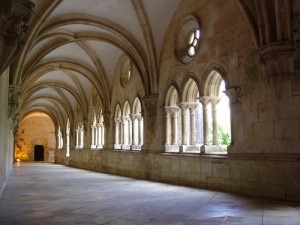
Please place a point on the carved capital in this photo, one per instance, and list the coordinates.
(151, 107)
(14, 21)
(13, 99)
(106, 118)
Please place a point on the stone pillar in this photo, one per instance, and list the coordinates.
(81, 136)
(205, 101)
(77, 137)
(214, 103)
(93, 136)
(99, 135)
(129, 130)
(141, 130)
(102, 135)
(117, 135)
(168, 131)
(175, 126)
(183, 107)
(68, 139)
(133, 129)
(192, 108)
(150, 101)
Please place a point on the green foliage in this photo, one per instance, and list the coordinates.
(224, 137)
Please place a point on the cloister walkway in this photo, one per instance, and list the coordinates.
(49, 194)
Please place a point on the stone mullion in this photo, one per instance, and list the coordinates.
(214, 103)
(183, 107)
(192, 124)
(117, 134)
(133, 119)
(174, 126)
(205, 101)
(168, 130)
(140, 133)
(81, 137)
(99, 135)
(77, 138)
(102, 134)
(129, 131)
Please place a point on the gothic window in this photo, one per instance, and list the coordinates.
(137, 125)
(191, 116)
(217, 132)
(172, 121)
(68, 139)
(60, 138)
(118, 128)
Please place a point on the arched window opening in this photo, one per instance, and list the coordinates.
(127, 127)
(191, 117)
(217, 134)
(60, 139)
(137, 125)
(172, 121)
(118, 128)
(68, 139)
(80, 135)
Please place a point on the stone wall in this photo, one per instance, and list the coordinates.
(35, 130)
(6, 138)
(266, 176)
(263, 158)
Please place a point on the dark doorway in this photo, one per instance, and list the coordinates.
(38, 153)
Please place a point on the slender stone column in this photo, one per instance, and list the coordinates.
(121, 129)
(192, 108)
(205, 101)
(175, 126)
(183, 107)
(99, 135)
(77, 137)
(81, 136)
(117, 134)
(168, 126)
(102, 134)
(125, 130)
(129, 130)
(68, 139)
(141, 131)
(133, 129)
(93, 136)
(214, 103)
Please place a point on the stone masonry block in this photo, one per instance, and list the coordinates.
(268, 111)
(221, 170)
(287, 129)
(263, 130)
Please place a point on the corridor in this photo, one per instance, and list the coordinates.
(48, 194)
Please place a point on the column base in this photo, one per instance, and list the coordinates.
(189, 148)
(171, 148)
(117, 146)
(126, 147)
(136, 147)
(211, 149)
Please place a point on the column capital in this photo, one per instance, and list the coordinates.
(14, 18)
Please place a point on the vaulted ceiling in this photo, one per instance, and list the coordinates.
(73, 47)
